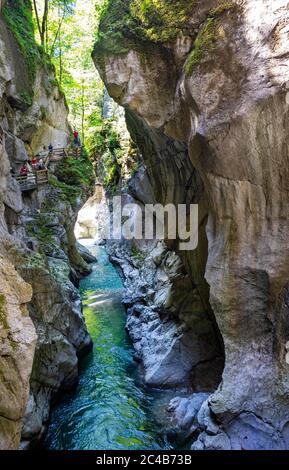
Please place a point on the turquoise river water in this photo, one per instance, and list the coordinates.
(109, 410)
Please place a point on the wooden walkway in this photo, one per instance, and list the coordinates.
(59, 153)
(32, 180)
(38, 178)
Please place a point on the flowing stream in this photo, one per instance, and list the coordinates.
(109, 410)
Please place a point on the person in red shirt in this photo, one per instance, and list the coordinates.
(24, 170)
(34, 162)
(76, 139)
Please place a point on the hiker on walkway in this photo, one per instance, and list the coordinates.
(41, 165)
(24, 170)
(76, 139)
(50, 148)
(34, 163)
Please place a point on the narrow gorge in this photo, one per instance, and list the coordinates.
(190, 350)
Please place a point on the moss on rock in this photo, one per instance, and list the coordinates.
(76, 172)
(208, 35)
(67, 192)
(3, 316)
(204, 43)
(39, 229)
(222, 8)
(18, 16)
(124, 24)
(142, 24)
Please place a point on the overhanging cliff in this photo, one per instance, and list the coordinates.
(212, 79)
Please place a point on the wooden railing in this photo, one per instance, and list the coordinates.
(32, 180)
(57, 154)
(39, 177)
(62, 152)
(77, 152)
(27, 183)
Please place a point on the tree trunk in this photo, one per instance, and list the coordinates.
(44, 24)
(83, 113)
(37, 17)
(57, 36)
(60, 58)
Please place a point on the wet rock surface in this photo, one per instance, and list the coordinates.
(170, 342)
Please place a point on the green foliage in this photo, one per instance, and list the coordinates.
(43, 113)
(53, 82)
(70, 38)
(68, 193)
(43, 228)
(114, 27)
(107, 151)
(137, 254)
(105, 136)
(33, 260)
(26, 97)
(38, 228)
(203, 44)
(124, 23)
(112, 177)
(76, 172)
(18, 16)
(73, 178)
(131, 161)
(161, 20)
(222, 8)
(3, 315)
(130, 24)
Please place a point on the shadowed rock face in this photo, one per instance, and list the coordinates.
(171, 331)
(230, 110)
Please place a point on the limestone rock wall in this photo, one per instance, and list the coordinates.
(172, 342)
(17, 346)
(42, 329)
(219, 89)
(33, 111)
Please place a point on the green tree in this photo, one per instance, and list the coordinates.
(66, 30)
(42, 10)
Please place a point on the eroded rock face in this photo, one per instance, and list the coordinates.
(170, 340)
(33, 111)
(93, 216)
(17, 332)
(42, 329)
(184, 411)
(17, 345)
(62, 336)
(229, 106)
